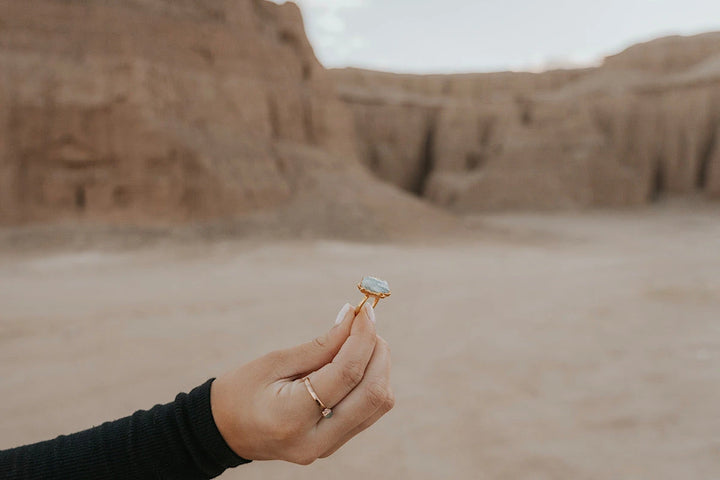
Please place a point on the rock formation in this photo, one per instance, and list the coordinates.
(159, 110)
(643, 124)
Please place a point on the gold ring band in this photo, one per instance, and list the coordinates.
(367, 297)
(325, 411)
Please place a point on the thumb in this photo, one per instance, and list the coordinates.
(314, 354)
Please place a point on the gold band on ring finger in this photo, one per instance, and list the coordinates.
(324, 410)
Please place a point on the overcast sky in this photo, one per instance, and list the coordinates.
(489, 35)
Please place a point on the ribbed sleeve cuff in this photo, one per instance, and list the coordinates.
(205, 429)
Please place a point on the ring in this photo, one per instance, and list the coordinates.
(325, 411)
(372, 287)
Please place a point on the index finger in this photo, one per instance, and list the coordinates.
(338, 378)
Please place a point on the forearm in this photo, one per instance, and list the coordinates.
(177, 440)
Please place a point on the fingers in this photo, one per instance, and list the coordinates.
(377, 415)
(358, 410)
(314, 354)
(336, 379)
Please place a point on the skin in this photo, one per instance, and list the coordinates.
(264, 411)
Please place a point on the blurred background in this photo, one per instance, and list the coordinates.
(457, 36)
(186, 185)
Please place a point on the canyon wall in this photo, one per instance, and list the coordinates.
(152, 111)
(155, 110)
(643, 125)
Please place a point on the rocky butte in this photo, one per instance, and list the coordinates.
(642, 125)
(163, 111)
(152, 111)
(134, 110)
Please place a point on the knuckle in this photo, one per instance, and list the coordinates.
(378, 395)
(285, 430)
(352, 372)
(305, 460)
(302, 456)
(327, 453)
(320, 342)
(276, 358)
(390, 401)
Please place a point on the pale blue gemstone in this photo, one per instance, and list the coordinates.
(375, 285)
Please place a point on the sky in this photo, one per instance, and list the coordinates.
(447, 36)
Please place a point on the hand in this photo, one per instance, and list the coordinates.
(264, 411)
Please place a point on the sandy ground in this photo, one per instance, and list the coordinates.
(541, 347)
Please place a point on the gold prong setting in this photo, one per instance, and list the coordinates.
(372, 287)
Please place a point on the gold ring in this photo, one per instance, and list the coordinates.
(372, 287)
(325, 411)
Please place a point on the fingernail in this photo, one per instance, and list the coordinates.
(369, 311)
(341, 314)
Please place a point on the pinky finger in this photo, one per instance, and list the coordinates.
(365, 425)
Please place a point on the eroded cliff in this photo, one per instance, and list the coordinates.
(152, 111)
(642, 125)
(159, 110)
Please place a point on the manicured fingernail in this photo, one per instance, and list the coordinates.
(342, 313)
(369, 311)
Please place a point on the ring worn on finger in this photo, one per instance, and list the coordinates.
(324, 410)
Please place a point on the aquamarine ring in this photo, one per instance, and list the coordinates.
(372, 287)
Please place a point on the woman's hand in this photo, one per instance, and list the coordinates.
(264, 411)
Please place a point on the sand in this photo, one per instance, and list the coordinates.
(537, 347)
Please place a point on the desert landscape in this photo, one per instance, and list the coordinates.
(552, 239)
(553, 346)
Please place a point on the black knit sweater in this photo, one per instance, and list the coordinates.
(178, 440)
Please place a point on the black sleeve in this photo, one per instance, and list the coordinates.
(178, 440)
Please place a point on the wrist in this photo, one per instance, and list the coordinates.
(221, 417)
